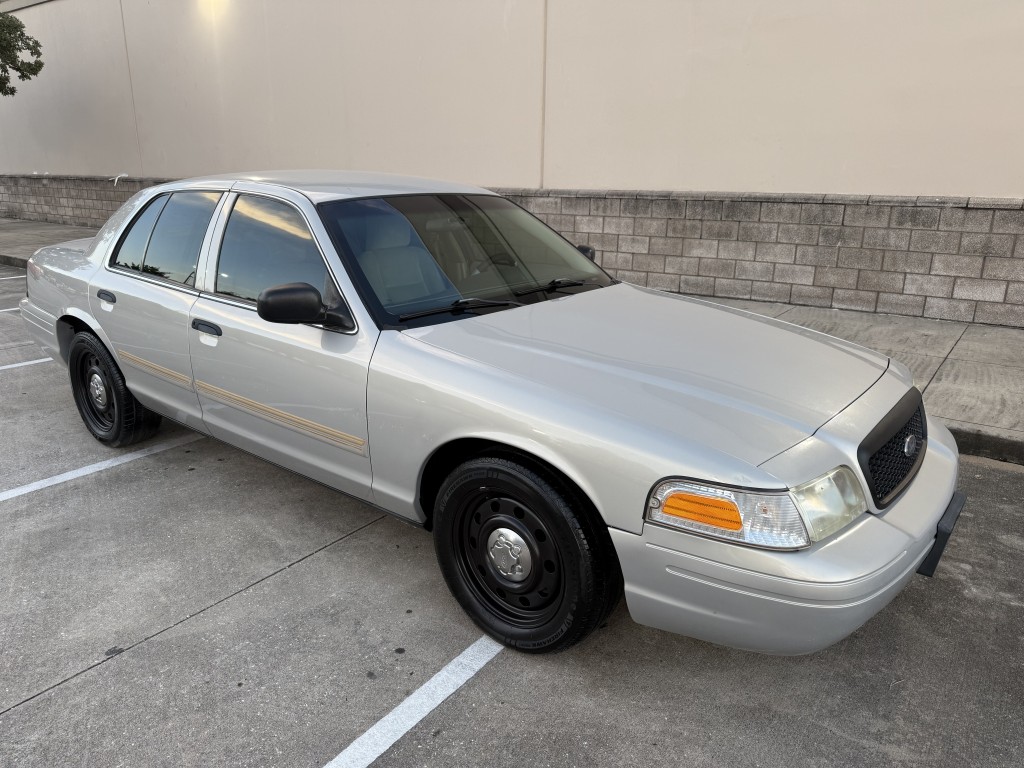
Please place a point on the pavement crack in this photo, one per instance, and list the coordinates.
(115, 652)
(977, 424)
(944, 359)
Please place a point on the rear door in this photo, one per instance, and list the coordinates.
(293, 394)
(143, 296)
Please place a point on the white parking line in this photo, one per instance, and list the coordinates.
(27, 362)
(420, 703)
(99, 466)
(16, 277)
(12, 309)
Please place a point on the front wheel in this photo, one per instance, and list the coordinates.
(110, 411)
(522, 555)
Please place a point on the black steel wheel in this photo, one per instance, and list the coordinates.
(110, 412)
(523, 556)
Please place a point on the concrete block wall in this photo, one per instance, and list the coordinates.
(80, 200)
(952, 258)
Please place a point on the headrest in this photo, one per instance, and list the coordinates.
(389, 231)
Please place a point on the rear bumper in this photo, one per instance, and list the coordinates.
(792, 602)
(41, 326)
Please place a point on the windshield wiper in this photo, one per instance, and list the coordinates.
(460, 305)
(554, 285)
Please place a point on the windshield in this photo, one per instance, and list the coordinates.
(411, 255)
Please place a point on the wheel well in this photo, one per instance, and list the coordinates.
(67, 327)
(449, 456)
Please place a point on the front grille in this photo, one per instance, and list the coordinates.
(888, 456)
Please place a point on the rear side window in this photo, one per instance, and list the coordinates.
(173, 249)
(132, 250)
(267, 243)
(165, 239)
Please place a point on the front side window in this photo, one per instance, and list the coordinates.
(267, 243)
(416, 253)
(164, 241)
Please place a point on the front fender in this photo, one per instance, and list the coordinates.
(420, 398)
(514, 441)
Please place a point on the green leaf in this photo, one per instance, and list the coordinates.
(13, 44)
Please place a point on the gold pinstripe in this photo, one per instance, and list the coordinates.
(156, 370)
(311, 428)
(284, 419)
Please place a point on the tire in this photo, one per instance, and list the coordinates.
(522, 555)
(110, 412)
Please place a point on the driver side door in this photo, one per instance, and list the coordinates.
(292, 394)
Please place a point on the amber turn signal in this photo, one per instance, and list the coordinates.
(720, 513)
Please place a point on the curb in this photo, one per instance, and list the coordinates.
(979, 442)
(13, 261)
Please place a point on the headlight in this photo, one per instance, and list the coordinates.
(772, 520)
(831, 502)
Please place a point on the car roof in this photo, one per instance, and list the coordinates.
(323, 185)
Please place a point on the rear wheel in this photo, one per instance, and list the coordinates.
(110, 412)
(522, 555)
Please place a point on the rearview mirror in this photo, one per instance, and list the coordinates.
(301, 303)
(587, 251)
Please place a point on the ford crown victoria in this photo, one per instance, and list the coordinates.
(436, 351)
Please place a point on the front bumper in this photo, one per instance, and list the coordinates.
(942, 533)
(792, 602)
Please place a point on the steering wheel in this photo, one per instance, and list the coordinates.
(490, 260)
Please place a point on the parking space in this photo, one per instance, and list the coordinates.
(12, 290)
(197, 606)
(935, 679)
(15, 346)
(286, 672)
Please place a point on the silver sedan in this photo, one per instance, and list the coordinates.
(438, 352)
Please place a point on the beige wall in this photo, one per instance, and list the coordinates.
(224, 84)
(870, 96)
(76, 117)
(875, 96)
(447, 88)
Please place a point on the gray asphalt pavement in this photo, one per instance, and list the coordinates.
(197, 606)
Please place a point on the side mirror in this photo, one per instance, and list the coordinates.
(587, 251)
(290, 303)
(301, 303)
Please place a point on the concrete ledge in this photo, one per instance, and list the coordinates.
(20, 238)
(989, 442)
(13, 261)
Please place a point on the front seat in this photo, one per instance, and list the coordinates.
(398, 267)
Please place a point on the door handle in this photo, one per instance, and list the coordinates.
(204, 327)
(105, 295)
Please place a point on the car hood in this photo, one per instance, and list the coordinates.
(718, 377)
